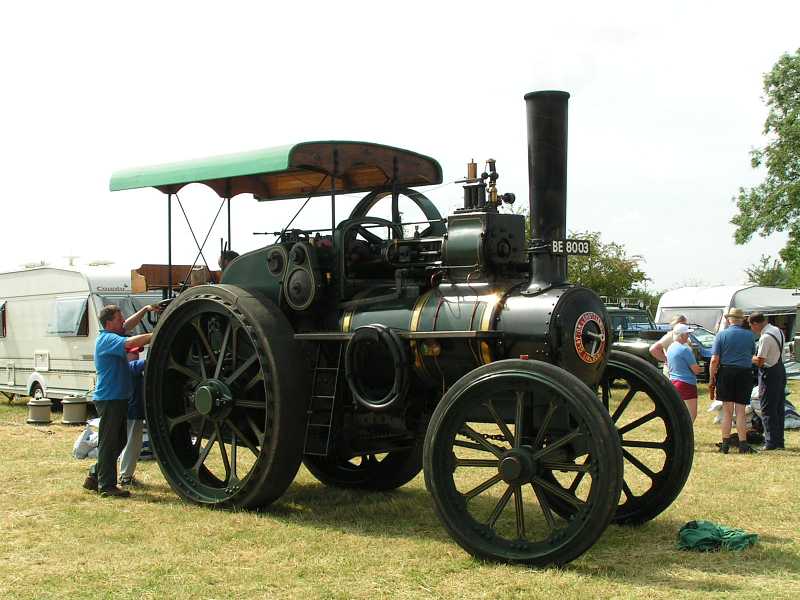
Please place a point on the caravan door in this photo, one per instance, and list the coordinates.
(796, 336)
(10, 375)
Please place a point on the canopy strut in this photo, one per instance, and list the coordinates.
(333, 188)
(191, 230)
(228, 198)
(395, 195)
(199, 246)
(168, 293)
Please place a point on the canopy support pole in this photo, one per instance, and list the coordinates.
(168, 293)
(395, 196)
(333, 188)
(228, 198)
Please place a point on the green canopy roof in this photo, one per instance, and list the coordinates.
(299, 170)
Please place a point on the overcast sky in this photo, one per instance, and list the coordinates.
(666, 105)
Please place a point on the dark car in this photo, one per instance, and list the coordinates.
(634, 329)
(702, 340)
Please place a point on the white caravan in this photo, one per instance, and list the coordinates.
(707, 305)
(48, 326)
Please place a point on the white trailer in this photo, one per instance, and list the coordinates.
(48, 326)
(707, 305)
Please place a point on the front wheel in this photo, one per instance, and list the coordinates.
(506, 441)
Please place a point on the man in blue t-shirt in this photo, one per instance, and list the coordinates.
(731, 371)
(683, 368)
(111, 393)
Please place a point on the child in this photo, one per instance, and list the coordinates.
(130, 455)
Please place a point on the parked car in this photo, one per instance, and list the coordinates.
(634, 329)
(701, 340)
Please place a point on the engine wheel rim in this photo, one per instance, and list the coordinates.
(521, 467)
(632, 426)
(212, 418)
(653, 440)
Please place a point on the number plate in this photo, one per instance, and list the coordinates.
(571, 247)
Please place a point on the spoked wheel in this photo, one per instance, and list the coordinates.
(225, 398)
(378, 472)
(656, 433)
(506, 439)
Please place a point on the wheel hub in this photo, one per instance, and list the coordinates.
(516, 466)
(213, 399)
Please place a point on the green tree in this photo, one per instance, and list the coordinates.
(609, 270)
(771, 274)
(774, 204)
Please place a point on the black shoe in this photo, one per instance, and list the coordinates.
(745, 448)
(732, 440)
(770, 447)
(129, 482)
(90, 483)
(724, 447)
(114, 492)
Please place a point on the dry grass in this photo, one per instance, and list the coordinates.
(59, 541)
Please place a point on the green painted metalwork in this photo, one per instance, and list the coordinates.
(292, 171)
(249, 271)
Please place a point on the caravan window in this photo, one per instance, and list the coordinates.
(2, 318)
(707, 317)
(70, 317)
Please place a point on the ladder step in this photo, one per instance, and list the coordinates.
(321, 403)
(319, 422)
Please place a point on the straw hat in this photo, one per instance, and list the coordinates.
(735, 313)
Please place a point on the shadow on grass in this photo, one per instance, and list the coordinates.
(618, 556)
(403, 513)
(408, 513)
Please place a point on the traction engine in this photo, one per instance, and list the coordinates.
(377, 349)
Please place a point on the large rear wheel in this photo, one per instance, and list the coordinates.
(225, 397)
(505, 441)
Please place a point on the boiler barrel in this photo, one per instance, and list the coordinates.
(454, 307)
(565, 325)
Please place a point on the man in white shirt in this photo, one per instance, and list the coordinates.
(769, 358)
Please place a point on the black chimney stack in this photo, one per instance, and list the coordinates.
(547, 180)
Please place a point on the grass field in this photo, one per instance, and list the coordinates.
(56, 540)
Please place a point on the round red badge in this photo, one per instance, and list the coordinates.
(590, 337)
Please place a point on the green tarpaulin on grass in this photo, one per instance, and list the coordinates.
(706, 536)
